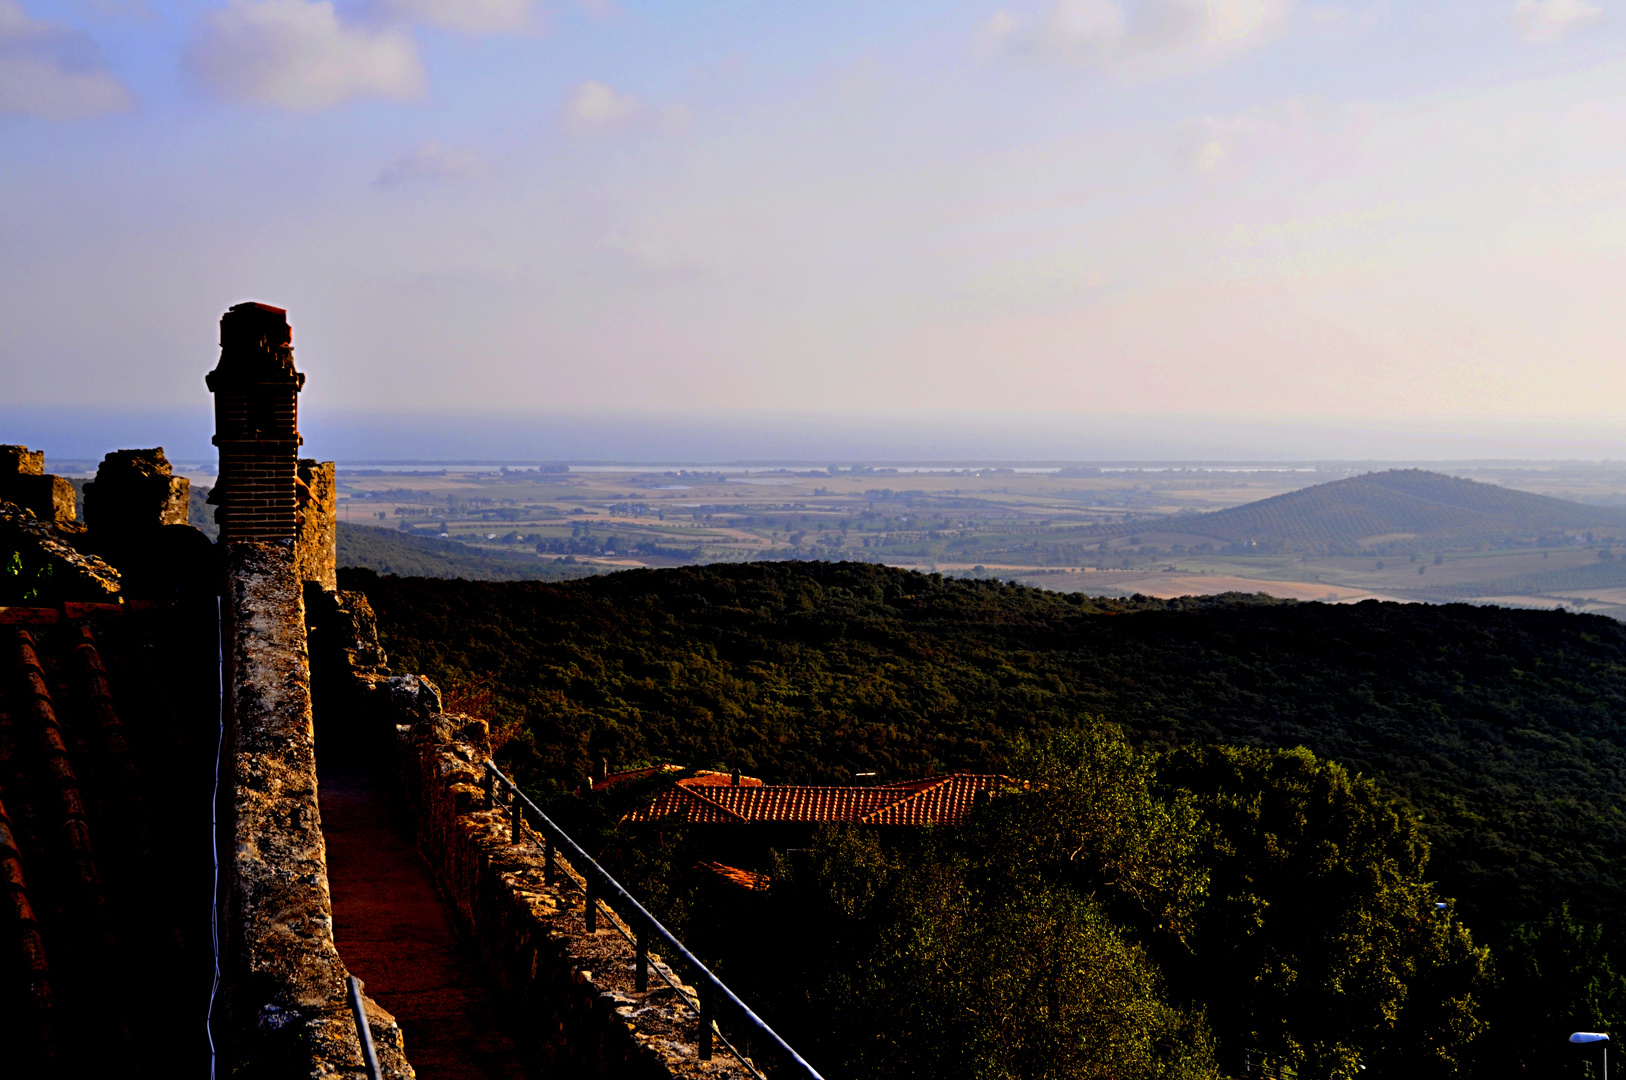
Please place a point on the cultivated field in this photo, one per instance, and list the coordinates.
(1118, 531)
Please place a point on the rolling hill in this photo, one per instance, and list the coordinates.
(1405, 510)
(389, 551)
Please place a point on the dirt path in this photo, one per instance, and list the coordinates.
(394, 935)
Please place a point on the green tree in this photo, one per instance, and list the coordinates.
(911, 970)
(1320, 944)
(1087, 814)
(1555, 977)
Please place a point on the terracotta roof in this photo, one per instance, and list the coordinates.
(106, 746)
(932, 800)
(745, 879)
(701, 777)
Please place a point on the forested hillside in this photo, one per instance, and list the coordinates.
(1409, 507)
(1502, 728)
(390, 551)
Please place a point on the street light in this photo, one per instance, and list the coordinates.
(1595, 1037)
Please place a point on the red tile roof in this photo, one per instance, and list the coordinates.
(745, 879)
(933, 800)
(701, 778)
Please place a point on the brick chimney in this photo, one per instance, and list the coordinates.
(256, 393)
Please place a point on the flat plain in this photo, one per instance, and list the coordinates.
(1106, 530)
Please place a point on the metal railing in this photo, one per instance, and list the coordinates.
(358, 1009)
(599, 887)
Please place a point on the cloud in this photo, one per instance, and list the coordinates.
(1132, 32)
(1549, 20)
(594, 105)
(299, 55)
(1307, 128)
(464, 16)
(52, 71)
(428, 162)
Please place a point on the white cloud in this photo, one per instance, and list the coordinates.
(52, 71)
(594, 105)
(1138, 32)
(1549, 20)
(428, 162)
(1307, 128)
(300, 55)
(464, 16)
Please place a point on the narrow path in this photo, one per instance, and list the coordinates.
(394, 934)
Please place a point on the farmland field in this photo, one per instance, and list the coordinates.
(1110, 530)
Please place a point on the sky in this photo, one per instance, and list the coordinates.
(1255, 215)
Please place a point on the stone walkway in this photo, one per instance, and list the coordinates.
(393, 933)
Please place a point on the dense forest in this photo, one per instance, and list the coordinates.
(1483, 741)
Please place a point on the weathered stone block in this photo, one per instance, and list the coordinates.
(134, 492)
(50, 498)
(316, 536)
(21, 461)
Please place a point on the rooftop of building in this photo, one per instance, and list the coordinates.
(933, 800)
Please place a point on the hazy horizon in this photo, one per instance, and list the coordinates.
(67, 433)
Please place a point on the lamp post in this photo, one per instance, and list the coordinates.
(1595, 1037)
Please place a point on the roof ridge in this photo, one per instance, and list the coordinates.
(695, 793)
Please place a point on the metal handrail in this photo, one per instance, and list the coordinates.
(712, 989)
(369, 1055)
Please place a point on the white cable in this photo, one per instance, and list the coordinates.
(214, 833)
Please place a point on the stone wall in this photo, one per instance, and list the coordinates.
(316, 541)
(572, 990)
(24, 481)
(284, 1009)
(134, 492)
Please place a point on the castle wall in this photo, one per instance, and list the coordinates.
(285, 1011)
(573, 990)
(316, 540)
(24, 481)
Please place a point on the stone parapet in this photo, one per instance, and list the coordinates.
(285, 1009)
(24, 481)
(316, 541)
(573, 990)
(135, 492)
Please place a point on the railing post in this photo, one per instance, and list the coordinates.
(591, 914)
(547, 859)
(517, 824)
(708, 1007)
(640, 967)
(491, 788)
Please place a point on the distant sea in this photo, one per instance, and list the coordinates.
(604, 436)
